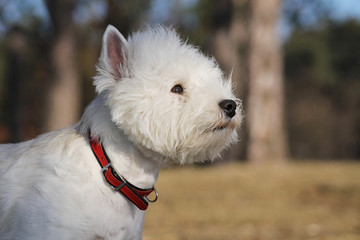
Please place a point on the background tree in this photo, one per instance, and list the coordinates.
(246, 46)
(323, 85)
(266, 97)
(65, 94)
(23, 71)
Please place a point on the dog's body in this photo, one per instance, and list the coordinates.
(160, 102)
(66, 198)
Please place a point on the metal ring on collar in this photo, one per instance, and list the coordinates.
(156, 196)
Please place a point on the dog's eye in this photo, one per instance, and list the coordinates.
(177, 89)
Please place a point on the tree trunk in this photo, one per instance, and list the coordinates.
(265, 114)
(64, 96)
(231, 45)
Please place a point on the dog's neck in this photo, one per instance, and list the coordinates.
(126, 158)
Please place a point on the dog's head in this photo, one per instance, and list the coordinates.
(166, 96)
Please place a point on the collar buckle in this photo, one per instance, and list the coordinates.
(106, 167)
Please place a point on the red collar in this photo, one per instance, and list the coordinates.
(136, 195)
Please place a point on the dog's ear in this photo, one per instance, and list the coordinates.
(114, 51)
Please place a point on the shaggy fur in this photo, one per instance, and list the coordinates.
(52, 187)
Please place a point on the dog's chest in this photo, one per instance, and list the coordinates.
(101, 210)
(114, 217)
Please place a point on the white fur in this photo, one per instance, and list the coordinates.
(51, 187)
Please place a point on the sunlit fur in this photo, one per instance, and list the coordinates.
(51, 187)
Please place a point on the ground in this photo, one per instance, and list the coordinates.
(296, 201)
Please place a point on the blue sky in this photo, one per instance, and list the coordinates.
(343, 9)
(340, 9)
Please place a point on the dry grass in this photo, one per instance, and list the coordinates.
(317, 201)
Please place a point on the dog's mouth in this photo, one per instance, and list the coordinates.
(223, 126)
(219, 128)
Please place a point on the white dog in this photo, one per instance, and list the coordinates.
(160, 102)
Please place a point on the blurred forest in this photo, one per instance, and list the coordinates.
(296, 67)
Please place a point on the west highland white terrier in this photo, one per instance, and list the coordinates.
(160, 102)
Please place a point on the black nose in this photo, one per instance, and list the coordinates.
(229, 107)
